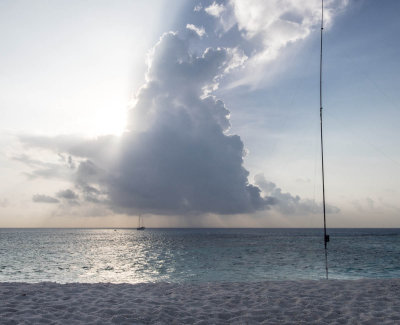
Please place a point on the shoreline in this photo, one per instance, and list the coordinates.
(363, 301)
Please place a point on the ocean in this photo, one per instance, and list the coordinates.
(195, 255)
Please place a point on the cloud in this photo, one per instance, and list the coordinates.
(72, 144)
(198, 30)
(176, 155)
(44, 169)
(287, 203)
(67, 194)
(40, 198)
(270, 26)
(215, 9)
(198, 7)
(69, 197)
(224, 14)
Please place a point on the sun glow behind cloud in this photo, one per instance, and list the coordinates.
(72, 66)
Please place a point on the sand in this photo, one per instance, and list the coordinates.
(275, 302)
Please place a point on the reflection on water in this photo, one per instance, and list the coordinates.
(201, 255)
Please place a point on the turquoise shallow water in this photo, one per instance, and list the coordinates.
(195, 255)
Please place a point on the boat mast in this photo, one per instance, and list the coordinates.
(326, 237)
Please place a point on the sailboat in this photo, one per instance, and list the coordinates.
(140, 223)
(326, 237)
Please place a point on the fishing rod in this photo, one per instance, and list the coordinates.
(326, 237)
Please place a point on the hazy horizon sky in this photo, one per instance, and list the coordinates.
(198, 114)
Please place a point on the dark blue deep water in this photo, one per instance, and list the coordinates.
(195, 255)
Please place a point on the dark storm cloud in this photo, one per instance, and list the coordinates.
(40, 198)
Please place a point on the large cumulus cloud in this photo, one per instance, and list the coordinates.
(176, 155)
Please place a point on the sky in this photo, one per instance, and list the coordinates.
(198, 113)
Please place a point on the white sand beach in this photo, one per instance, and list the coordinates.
(273, 302)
